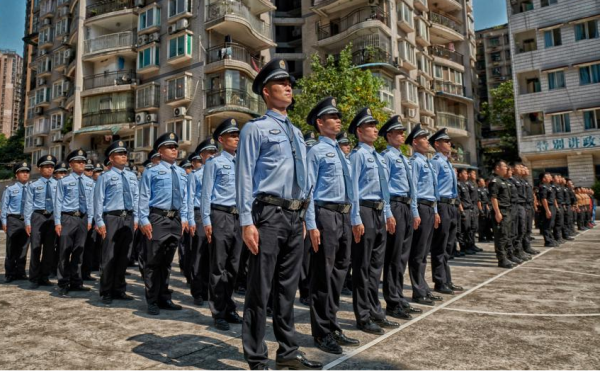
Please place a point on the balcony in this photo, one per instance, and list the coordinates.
(236, 20)
(445, 29)
(448, 5)
(376, 57)
(108, 117)
(361, 21)
(224, 101)
(451, 90)
(147, 98)
(441, 52)
(116, 43)
(116, 80)
(326, 8)
(104, 8)
(460, 157)
(421, 5)
(259, 6)
(450, 120)
(232, 56)
(70, 71)
(41, 130)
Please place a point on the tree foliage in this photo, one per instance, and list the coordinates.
(11, 152)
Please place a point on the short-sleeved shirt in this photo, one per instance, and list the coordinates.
(500, 190)
(548, 193)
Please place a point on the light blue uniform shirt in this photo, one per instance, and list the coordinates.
(446, 178)
(12, 200)
(36, 197)
(67, 196)
(265, 163)
(156, 190)
(195, 192)
(109, 194)
(401, 180)
(424, 177)
(365, 179)
(325, 175)
(218, 183)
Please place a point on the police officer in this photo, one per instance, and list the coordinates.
(398, 244)
(484, 216)
(501, 203)
(88, 170)
(472, 184)
(466, 211)
(444, 237)
(573, 207)
(106, 163)
(17, 240)
(525, 199)
(98, 170)
(154, 157)
(163, 214)
(371, 218)
(270, 189)
(73, 214)
(60, 171)
(425, 215)
(199, 260)
(518, 216)
(39, 223)
(328, 226)
(547, 197)
(186, 165)
(116, 199)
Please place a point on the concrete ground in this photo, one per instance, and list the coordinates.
(545, 314)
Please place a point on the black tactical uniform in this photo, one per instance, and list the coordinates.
(500, 190)
(547, 192)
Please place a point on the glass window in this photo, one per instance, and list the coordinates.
(586, 30)
(57, 90)
(589, 74)
(556, 80)
(180, 45)
(56, 121)
(591, 119)
(177, 88)
(548, 2)
(561, 123)
(149, 18)
(178, 6)
(552, 38)
(148, 57)
(405, 14)
(182, 128)
(145, 136)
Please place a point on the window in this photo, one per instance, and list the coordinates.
(409, 92)
(149, 18)
(496, 57)
(145, 136)
(422, 30)
(148, 57)
(561, 123)
(56, 121)
(35, 156)
(180, 45)
(183, 129)
(178, 6)
(424, 64)
(494, 41)
(407, 52)
(45, 36)
(31, 107)
(57, 90)
(387, 91)
(405, 14)
(591, 119)
(552, 38)
(59, 58)
(533, 85)
(42, 95)
(589, 74)
(586, 30)
(62, 27)
(548, 2)
(178, 88)
(57, 152)
(426, 102)
(147, 96)
(556, 80)
(437, 72)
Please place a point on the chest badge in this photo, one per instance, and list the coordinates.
(274, 131)
(330, 154)
(371, 160)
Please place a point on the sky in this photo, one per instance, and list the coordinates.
(488, 13)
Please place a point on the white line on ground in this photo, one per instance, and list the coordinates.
(563, 271)
(524, 314)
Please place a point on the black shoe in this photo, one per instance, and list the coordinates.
(524, 257)
(169, 305)
(88, 278)
(34, 285)
(46, 282)
(531, 251)
(423, 301)
(221, 324)
(122, 296)
(505, 263)
(477, 248)
(299, 363)
(385, 323)
(21, 277)
(470, 252)
(79, 288)
(346, 292)
(240, 290)
(550, 244)
(443, 289)
(63, 291)
(328, 344)
(8, 279)
(199, 301)
(106, 299)
(408, 309)
(342, 339)
(370, 327)
(305, 301)
(514, 259)
(461, 253)
(434, 297)
(397, 313)
(233, 317)
(153, 310)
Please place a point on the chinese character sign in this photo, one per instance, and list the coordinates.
(560, 144)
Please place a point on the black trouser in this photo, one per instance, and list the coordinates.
(529, 213)
(519, 229)
(367, 263)
(138, 245)
(304, 284)
(17, 242)
(484, 225)
(277, 265)
(442, 244)
(397, 252)
(72, 244)
(225, 249)
(559, 223)
(475, 223)
(502, 232)
(243, 268)
(421, 244)
(570, 220)
(548, 224)
(328, 267)
(183, 252)
(115, 253)
(43, 247)
(514, 220)
(158, 255)
(199, 261)
(92, 253)
(466, 225)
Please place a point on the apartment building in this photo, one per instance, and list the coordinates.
(11, 67)
(138, 68)
(556, 69)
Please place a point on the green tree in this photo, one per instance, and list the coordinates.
(353, 88)
(11, 152)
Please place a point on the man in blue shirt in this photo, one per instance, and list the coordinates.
(39, 223)
(13, 202)
(163, 216)
(371, 218)
(270, 189)
(116, 215)
(220, 219)
(73, 214)
(328, 217)
(402, 191)
(425, 215)
(444, 237)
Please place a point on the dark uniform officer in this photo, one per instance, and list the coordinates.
(116, 197)
(519, 218)
(73, 214)
(270, 188)
(474, 215)
(163, 213)
(88, 170)
(514, 215)
(484, 216)
(530, 213)
(559, 219)
(39, 222)
(466, 215)
(501, 203)
(17, 240)
(547, 197)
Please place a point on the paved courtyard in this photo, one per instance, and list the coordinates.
(545, 314)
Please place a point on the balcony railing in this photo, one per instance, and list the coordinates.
(451, 120)
(147, 97)
(42, 129)
(372, 55)
(123, 77)
(449, 87)
(369, 13)
(439, 51)
(234, 97)
(221, 9)
(233, 51)
(108, 42)
(108, 117)
(107, 7)
(445, 21)
(461, 157)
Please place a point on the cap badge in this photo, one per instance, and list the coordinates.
(49, 157)
(282, 64)
(172, 136)
(80, 153)
(369, 111)
(120, 144)
(345, 135)
(212, 141)
(333, 103)
(233, 122)
(24, 164)
(312, 135)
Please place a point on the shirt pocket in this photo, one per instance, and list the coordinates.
(371, 170)
(330, 167)
(224, 177)
(276, 144)
(163, 181)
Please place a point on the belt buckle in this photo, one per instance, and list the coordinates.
(171, 213)
(234, 210)
(295, 205)
(346, 209)
(123, 213)
(46, 212)
(77, 214)
(379, 206)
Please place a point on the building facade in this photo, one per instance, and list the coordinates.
(11, 67)
(556, 73)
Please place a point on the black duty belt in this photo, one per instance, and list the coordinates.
(121, 213)
(288, 204)
(167, 213)
(340, 208)
(426, 202)
(467, 207)
(376, 205)
(449, 201)
(17, 216)
(78, 214)
(197, 209)
(403, 199)
(43, 212)
(228, 209)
